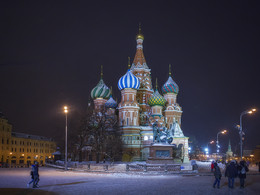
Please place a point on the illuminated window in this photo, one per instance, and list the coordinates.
(145, 138)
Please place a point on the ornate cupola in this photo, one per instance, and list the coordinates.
(170, 86)
(111, 105)
(157, 101)
(173, 111)
(100, 93)
(128, 107)
(129, 80)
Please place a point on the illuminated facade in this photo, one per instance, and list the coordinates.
(22, 149)
(141, 107)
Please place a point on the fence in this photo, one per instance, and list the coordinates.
(153, 168)
(123, 167)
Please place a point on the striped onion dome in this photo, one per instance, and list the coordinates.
(170, 86)
(129, 80)
(111, 103)
(100, 91)
(157, 99)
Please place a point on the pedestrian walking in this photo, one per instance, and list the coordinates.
(217, 174)
(231, 173)
(35, 170)
(242, 169)
(32, 178)
(212, 166)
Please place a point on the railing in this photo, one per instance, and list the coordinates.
(122, 167)
(153, 168)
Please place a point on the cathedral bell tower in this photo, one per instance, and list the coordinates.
(157, 102)
(129, 115)
(173, 111)
(143, 73)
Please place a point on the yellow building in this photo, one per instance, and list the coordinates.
(19, 149)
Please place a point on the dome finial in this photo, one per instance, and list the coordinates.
(129, 63)
(101, 74)
(139, 35)
(111, 90)
(156, 84)
(170, 72)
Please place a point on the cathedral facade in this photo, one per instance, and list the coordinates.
(141, 107)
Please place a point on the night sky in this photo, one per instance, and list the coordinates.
(51, 52)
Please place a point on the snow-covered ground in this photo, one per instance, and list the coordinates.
(61, 182)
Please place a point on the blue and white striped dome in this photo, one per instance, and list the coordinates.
(129, 80)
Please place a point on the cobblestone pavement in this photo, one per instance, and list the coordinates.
(53, 181)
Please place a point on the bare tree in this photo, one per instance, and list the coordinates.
(98, 131)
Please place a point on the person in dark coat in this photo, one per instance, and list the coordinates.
(231, 173)
(242, 169)
(217, 174)
(35, 170)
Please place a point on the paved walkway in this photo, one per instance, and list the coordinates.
(52, 181)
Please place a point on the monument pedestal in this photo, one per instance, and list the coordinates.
(160, 153)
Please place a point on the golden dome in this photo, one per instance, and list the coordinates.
(140, 35)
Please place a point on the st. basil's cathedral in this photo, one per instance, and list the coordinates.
(141, 107)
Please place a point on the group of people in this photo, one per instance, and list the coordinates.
(34, 176)
(232, 171)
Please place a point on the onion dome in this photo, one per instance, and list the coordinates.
(101, 90)
(111, 103)
(170, 86)
(157, 99)
(129, 80)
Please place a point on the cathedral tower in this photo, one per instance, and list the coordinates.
(173, 111)
(129, 115)
(143, 73)
(157, 102)
(100, 94)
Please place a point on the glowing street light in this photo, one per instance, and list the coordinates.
(66, 138)
(217, 143)
(211, 142)
(241, 133)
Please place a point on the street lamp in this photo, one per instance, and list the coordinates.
(241, 133)
(211, 142)
(66, 132)
(217, 143)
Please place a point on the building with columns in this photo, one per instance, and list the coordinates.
(141, 107)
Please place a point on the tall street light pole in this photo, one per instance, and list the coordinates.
(217, 143)
(66, 137)
(241, 133)
(211, 142)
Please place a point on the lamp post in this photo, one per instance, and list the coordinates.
(10, 159)
(217, 143)
(66, 139)
(211, 142)
(241, 133)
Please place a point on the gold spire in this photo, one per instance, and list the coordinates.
(101, 74)
(156, 84)
(170, 72)
(111, 90)
(129, 63)
(140, 35)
